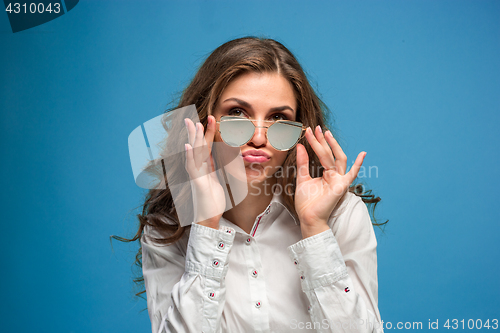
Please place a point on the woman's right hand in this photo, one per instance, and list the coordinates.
(208, 195)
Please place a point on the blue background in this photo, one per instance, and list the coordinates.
(416, 84)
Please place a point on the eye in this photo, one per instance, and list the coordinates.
(278, 116)
(236, 112)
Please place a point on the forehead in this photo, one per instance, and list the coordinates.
(262, 91)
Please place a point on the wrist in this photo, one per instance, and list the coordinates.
(309, 230)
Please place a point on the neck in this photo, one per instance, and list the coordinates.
(258, 198)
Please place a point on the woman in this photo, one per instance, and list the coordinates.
(299, 257)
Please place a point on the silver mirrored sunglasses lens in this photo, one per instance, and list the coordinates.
(236, 132)
(283, 136)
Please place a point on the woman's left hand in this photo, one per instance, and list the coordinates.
(315, 198)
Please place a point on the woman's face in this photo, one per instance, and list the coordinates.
(258, 96)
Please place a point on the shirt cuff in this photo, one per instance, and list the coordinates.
(208, 250)
(318, 260)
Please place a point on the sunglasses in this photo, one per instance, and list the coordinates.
(282, 134)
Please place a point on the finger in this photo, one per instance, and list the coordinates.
(340, 157)
(191, 131)
(325, 157)
(189, 160)
(302, 164)
(199, 146)
(199, 137)
(210, 133)
(210, 138)
(353, 173)
(321, 139)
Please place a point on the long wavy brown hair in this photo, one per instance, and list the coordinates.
(228, 61)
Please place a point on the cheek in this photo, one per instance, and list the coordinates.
(281, 157)
(278, 160)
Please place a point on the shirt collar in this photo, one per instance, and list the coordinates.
(276, 203)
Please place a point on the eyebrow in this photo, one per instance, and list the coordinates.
(247, 105)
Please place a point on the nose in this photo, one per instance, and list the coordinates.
(259, 137)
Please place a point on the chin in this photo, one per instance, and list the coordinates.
(257, 172)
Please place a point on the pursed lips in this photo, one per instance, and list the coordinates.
(255, 156)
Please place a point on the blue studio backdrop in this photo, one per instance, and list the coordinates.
(415, 84)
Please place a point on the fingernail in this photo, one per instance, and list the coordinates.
(186, 122)
(185, 147)
(320, 130)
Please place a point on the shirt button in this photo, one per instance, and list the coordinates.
(296, 262)
(309, 308)
(255, 273)
(211, 295)
(215, 263)
(302, 277)
(257, 305)
(221, 245)
(248, 241)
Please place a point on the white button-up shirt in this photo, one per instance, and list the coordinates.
(270, 280)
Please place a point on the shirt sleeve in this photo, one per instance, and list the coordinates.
(185, 285)
(339, 273)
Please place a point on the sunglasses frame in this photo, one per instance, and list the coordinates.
(288, 122)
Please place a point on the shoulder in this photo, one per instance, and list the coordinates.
(351, 216)
(348, 203)
(151, 235)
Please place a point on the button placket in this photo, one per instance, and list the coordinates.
(256, 281)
